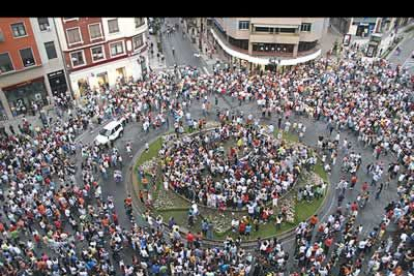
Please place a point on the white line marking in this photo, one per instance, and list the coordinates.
(330, 207)
(205, 70)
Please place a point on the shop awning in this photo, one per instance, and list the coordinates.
(276, 26)
(264, 60)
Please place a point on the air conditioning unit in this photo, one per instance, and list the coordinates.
(48, 28)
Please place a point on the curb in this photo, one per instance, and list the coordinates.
(247, 245)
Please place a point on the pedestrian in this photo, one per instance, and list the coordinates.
(379, 190)
(341, 198)
(11, 128)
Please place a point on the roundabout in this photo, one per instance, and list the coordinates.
(230, 180)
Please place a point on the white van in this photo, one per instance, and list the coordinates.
(110, 132)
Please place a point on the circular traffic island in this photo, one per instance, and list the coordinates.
(231, 179)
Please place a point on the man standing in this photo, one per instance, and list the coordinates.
(377, 196)
(11, 128)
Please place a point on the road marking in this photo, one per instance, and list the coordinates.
(205, 70)
(408, 63)
(330, 207)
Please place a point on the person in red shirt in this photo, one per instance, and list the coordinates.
(354, 206)
(58, 224)
(115, 218)
(190, 239)
(365, 186)
(327, 244)
(242, 227)
(354, 180)
(314, 220)
(128, 201)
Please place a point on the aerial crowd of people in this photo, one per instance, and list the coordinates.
(54, 219)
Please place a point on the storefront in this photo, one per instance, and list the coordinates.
(21, 96)
(364, 26)
(108, 75)
(240, 63)
(58, 83)
(103, 80)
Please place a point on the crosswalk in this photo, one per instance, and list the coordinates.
(409, 63)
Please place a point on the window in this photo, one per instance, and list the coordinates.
(138, 41)
(97, 53)
(117, 48)
(43, 23)
(95, 31)
(50, 50)
(77, 58)
(74, 36)
(139, 21)
(66, 19)
(113, 26)
(239, 43)
(5, 63)
(262, 29)
(27, 57)
(288, 30)
(244, 25)
(18, 30)
(306, 46)
(305, 27)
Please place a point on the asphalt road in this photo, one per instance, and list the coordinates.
(133, 133)
(369, 217)
(404, 58)
(184, 50)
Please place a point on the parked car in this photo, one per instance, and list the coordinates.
(110, 132)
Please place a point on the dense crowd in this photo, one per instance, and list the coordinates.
(233, 166)
(52, 223)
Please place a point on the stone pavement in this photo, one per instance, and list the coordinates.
(328, 40)
(154, 62)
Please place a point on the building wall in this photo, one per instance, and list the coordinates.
(316, 32)
(53, 65)
(21, 76)
(232, 28)
(276, 20)
(130, 60)
(318, 29)
(13, 45)
(230, 25)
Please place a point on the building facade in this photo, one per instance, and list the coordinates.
(266, 42)
(364, 26)
(29, 51)
(102, 52)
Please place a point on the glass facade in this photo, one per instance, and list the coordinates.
(273, 47)
(306, 46)
(22, 96)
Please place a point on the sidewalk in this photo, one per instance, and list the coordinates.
(33, 120)
(328, 40)
(154, 62)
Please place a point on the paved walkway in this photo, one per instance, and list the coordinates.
(369, 217)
